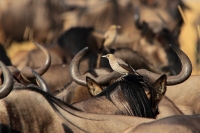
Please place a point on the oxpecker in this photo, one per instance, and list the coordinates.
(119, 65)
(110, 35)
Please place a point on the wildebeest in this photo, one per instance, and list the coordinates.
(28, 19)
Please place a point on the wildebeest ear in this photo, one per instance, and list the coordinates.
(93, 87)
(159, 88)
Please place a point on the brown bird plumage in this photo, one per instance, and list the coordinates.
(110, 35)
(118, 65)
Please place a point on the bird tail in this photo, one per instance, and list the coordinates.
(134, 72)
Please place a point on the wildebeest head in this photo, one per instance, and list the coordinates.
(110, 78)
(123, 88)
(130, 95)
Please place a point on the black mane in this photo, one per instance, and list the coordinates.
(133, 93)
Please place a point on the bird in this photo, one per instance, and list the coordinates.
(110, 35)
(109, 39)
(119, 65)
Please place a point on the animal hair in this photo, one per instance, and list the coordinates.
(134, 94)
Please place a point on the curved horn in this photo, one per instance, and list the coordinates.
(40, 81)
(26, 71)
(8, 82)
(173, 80)
(80, 79)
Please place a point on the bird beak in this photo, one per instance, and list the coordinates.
(104, 56)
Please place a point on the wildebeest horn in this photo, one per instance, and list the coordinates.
(8, 82)
(173, 80)
(40, 81)
(26, 71)
(80, 79)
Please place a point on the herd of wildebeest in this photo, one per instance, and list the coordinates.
(66, 86)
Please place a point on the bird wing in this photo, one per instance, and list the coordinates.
(125, 65)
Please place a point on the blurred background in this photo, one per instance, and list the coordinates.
(147, 28)
(190, 34)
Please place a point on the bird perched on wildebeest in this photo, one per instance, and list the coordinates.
(119, 65)
(110, 35)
